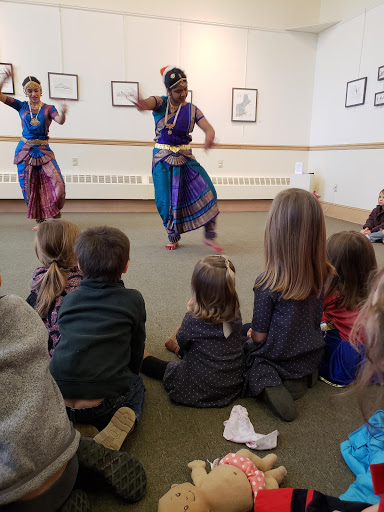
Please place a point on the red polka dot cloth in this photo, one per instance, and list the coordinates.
(256, 478)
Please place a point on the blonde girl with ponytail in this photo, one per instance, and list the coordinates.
(59, 275)
(210, 373)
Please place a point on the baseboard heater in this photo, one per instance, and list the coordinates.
(130, 186)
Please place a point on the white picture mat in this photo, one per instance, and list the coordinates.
(124, 92)
(62, 86)
(8, 86)
(244, 105)
(355, 94)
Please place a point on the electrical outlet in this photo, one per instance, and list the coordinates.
(335, 188)
(75, 162)
(220, 164)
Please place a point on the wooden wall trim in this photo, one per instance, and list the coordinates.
(133, 205)
(348, 213)
(254, 147)
(118, 142)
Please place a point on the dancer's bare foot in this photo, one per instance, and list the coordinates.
(172, 344)
(213, 244)
(146, 353)
(171, 246)
(35, 227)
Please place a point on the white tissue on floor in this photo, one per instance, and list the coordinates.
(239, 429)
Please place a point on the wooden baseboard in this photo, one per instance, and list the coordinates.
(336, 211)
(348, 213)
(132, 205)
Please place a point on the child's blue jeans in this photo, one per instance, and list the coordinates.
(100, 415)
(377, 236)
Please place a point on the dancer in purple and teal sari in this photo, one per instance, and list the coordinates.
(184, 194)
(39, 175)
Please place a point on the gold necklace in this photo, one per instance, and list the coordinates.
(171, 125)
(34, 121)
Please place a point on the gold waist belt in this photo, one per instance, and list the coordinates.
(35, 142)
(174, 149)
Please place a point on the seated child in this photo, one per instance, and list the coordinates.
(209, 340)
(102, 325)
(286, 343)
(40, 452)
(54, 246)
(354, 260)
(374, 225)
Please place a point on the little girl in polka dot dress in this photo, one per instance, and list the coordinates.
(210, 373)
(285, 342)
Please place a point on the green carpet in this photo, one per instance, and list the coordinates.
(170, 436)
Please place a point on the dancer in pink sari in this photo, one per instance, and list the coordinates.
(39, 174)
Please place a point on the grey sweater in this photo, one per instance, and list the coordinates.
(36, 437)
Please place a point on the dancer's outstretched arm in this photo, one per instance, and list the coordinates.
(147, 104)
(8, 74)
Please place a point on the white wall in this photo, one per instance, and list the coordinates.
(101, 47)
(348, 51)
(342, 9)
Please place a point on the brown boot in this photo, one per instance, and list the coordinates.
(172, 344)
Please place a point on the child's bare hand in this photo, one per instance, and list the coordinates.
(190, 305)
(249, 333)
(365, 231)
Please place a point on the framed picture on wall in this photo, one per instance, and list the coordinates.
(188, 99)
(380, 73)
(63, 86)
(379, 99)
(244, 105)
(123, 93)
(355, 93)
(8, 85)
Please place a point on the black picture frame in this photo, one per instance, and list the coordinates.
(355, 92)
(121, 92)
(63, 86)
(379, 99)
(246, 110)
(9, 84)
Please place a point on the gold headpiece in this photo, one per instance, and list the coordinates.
(32, 82)
(180, 81)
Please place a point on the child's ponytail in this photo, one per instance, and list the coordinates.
(54, 246)
(50, 286)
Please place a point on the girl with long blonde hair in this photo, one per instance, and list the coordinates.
(54, 246)
(210, 341)
(286, 344)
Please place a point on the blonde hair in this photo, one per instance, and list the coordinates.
(369, 329)
(294, 246)
(54, 246)
(213, 290)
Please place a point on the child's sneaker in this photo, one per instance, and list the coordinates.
(77, 502)
(118, 429)
(124, 474)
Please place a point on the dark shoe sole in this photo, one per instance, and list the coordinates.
(77, 502)
(297, 387)
(123, 473)
(280, 401)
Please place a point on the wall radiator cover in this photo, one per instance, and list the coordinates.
(131, 186)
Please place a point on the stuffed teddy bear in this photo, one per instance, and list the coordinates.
(231, 486)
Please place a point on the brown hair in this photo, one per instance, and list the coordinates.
(354, 259)
(369, 329)
(54, 246)
(213, 290)
(294, 246)
(102, 251)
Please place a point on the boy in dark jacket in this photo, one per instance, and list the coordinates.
(102, 327)
(374, 225)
